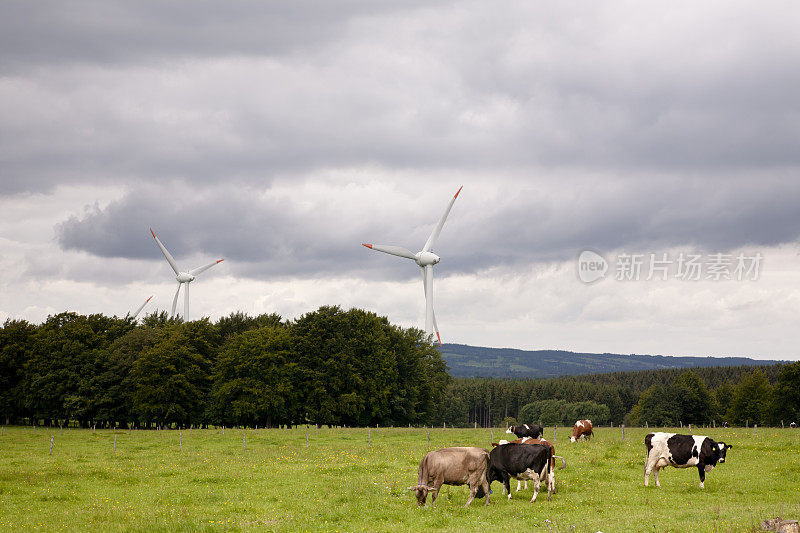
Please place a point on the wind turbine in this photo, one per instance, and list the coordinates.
(141, 307)
(425, 258)
(182, 278)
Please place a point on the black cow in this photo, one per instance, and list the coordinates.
(682, 451)
(522, 462)
(533, 431)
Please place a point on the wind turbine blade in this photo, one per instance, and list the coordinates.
(167, 255)
(429, 299)
(438, 229)
(186, 303)
(141, 307)
(198, 270)
(394, 250)
(175, 300)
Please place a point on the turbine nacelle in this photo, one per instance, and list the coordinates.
(184, 277)
(424, 259)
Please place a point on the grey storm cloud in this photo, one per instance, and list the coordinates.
(265, 235)
(249, 92)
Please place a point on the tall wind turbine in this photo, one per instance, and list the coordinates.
(141, 307)
(182, 278)
(425, 258)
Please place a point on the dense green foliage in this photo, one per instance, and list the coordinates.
(330, 367)
(655, 397)
(335, 367)
(562, 412)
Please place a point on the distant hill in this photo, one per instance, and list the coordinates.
(475, 361)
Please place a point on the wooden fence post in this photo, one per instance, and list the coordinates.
(180, 441)
(623, 431)
(491, 436)
(306, 439)
(645, 424)
(690, 429)
(51, 443)
(115, 443)
(555, 433)
(244, 441)
(429, 437)
(755, 429)
(370, 437)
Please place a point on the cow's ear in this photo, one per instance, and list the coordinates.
(728, 446)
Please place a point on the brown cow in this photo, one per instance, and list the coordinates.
(551, 481)
(453, 466)
(583, 428)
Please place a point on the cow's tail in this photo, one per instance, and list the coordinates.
(563, 461)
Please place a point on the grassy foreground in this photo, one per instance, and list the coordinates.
(342, 483)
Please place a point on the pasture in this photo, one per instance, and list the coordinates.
(342, 483)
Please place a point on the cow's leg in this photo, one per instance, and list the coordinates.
(648, 467)
(658, 468)
(486, 487)
(507, 484)
(546, 476)
(701, 468)
(536, 485)
(436, 486)
(473, 489)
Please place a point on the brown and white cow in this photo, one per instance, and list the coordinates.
(582, 429)
(551, 479)
(453, 466)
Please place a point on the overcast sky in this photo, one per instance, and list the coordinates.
(282, 135)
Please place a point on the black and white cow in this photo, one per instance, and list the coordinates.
(522, 462)
(533, 431)
(792, 425)
(682, 451)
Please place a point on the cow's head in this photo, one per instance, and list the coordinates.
(421, 492)
(723, 448)
(510, 429)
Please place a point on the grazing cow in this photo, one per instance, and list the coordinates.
(682, 451)
(582, 429)
(453, 466)
(551, 478)
(792, 425)
(533, 431)
(726, 425)
(520, 461)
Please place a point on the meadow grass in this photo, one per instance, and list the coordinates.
(340, 483)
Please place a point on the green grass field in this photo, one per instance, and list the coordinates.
(340, 483)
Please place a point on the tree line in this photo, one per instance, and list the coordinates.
(764, 395)
(328, 367)
(335, 367)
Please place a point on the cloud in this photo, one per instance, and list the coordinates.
(250, 93)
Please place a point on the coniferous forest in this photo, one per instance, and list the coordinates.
(339, 368)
